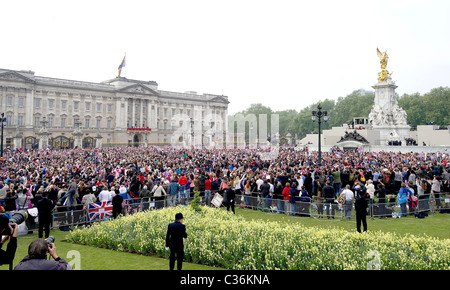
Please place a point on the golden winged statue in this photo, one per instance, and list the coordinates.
(384, 74)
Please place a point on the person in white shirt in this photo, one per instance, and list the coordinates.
(272, 188)
(370, 189)
(259, 182)
(348, 196)
(104, 195)
(112, 191)
(299, 183)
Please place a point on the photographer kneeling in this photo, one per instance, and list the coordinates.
(36, 258)
(10, 232)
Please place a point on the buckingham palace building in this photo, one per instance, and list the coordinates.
(46, 112)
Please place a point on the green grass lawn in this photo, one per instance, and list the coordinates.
(92, 258)
(435, 225)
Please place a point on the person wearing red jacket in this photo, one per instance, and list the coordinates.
(182, 182)
(208, 190)
(286, 195)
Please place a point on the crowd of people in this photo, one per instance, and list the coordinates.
(73, 177)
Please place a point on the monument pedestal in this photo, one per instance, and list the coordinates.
(392, 133)
(386, 116)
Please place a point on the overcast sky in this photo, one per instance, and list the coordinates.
(283, 54)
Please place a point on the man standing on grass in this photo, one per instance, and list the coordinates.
(174, 241)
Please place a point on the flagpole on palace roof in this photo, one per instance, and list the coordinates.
(122, 66)
(125, 66)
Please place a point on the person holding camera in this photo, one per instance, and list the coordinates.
(37, 257)
(10, 232)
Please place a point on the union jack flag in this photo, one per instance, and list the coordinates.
(99, 210)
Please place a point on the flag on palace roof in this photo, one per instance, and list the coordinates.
(122, 64)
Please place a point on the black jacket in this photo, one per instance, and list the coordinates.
(175, 233)
(328, 191)
(45, 207)
(42, 264)
(231, 195)
(361, 205)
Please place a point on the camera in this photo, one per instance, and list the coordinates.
(50, 239)
(17, 218)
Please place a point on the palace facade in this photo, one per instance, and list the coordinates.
(51, 112)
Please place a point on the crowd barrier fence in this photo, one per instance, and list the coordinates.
(66, 217)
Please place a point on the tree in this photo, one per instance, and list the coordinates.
(432, 106)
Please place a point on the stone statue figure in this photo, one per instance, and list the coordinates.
(399, 116)
(382, 119)
(384, 74)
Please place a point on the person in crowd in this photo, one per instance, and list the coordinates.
(381, 194)
(436, 191)
(293, 198)
(337, 180)
(172, 192)
(176, 232)
(370, 189)
(117, 204)
(329, 196)
(45, 215)
(286, 198)
(3, 191)
(145, 196)
(104, 195)
(231, 196)
(82, 169)
(159, 194)
(347, 195)
(361, 210)
(402, 198)
(10, 200)
(265, 192)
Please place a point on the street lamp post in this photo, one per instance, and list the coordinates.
(3, 120)
(319, 115)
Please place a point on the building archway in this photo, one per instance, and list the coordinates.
(88, 142)
(61, 142)
(136, 140)
(30, 142)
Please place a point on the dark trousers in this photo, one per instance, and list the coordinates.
(230, 204)
(178, 255)
(330, 204)
(361, 217)
(44, 225)
(116, 211)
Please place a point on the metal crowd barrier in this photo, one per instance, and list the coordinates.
(66, 217)
(321, 208)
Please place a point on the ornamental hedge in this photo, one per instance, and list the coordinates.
(219, 238)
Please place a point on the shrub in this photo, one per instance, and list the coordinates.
(219, 238)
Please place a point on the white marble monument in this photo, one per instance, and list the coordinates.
(386, 116)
